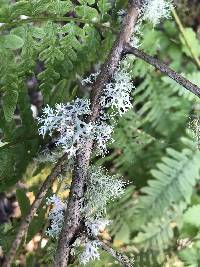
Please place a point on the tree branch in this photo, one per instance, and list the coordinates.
(72, 215)
(163, 68)
(23, 228)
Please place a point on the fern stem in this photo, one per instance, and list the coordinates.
(182, 31)
(18, 22)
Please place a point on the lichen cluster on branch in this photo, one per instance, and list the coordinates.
(70, 127)
(66, 124)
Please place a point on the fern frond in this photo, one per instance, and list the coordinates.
(121, 211)
(129, 140)
(68, 55)
(190, 256)
(192, 216)
(37, 7)
(173, 181)
(158, 234)
(156, 102)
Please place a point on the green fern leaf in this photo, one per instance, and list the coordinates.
(157, 102)
(104, 6)
(190, 256)
(173, 181)
(157, 234)
(192, 216)
(11, 41)
(87, 12)
(23, 201)
(9, 104)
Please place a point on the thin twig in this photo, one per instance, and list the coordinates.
(72, 215)
(119, 257)
(164, 68)
(19, 22)
(187, 42)
(23, 228)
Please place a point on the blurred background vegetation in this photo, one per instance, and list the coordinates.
(156, 148)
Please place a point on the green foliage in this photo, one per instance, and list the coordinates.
(190, 256)
(150, 221)
(130, 140)
(192, 216)
(121, 212)
(158, 234)
(7, 235)
(11, 42)
(23, 201)
(62, 51)
(37, 224)
(103, 6)
(12, 166)
(9, 104)
(194, 77)
(33, 8)
(193, 42)
(155, 105)
(173, 181)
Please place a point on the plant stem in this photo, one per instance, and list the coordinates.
(187, 42)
